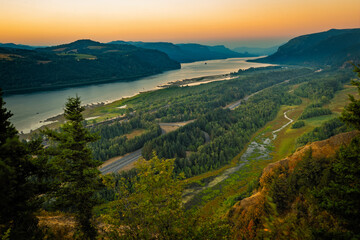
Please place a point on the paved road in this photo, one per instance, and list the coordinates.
(134, 156)
(122, 162)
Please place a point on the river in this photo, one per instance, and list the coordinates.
(31, 109)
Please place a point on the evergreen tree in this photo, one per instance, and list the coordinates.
(76, 170)
(20, 173)
(351, 113)
(149, 206)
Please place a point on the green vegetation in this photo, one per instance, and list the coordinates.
(326, 130)
(298, 124)
(229, 132)
(326, 188)
(113, 141)
(351, 113)
(22, 176)
(301, 200)
(150, 205)
(187, 52)
(78, 63)
(312, 197)
(334, 47)
(74, 169)
(314, 112)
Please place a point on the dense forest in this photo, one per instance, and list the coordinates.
(334, 47)
(182, 104)
(188, 52)
(316, 198)
(80, 62)
(113, 141)
(229, 132)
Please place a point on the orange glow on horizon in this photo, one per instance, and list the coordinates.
(42, 23)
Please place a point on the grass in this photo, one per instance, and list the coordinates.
(135, 133)
(219, 199)
(79, 56)
(341, 98)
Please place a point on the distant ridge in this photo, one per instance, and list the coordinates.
(78, 63)
(256, 51)
(188, 52)
(19, 46)
(333, 47)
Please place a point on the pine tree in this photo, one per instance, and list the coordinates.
(76, 170)
(351, 113)
(19, 175)
(149, 206)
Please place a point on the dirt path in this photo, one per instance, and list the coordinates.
(258, 149)
(284, 126)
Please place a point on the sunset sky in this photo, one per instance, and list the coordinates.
(230, 22)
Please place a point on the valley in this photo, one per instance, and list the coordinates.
(223, 149)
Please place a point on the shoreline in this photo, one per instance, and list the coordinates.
(181, 83)
(204, 79)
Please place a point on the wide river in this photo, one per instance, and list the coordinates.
(31, 109)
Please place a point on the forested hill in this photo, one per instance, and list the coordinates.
(189, 52)
(78, 63)
(312, 194)
(333, 47)
(13, 45)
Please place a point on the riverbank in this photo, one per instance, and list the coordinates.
(30, 110)
(56, 120)
(198, 80)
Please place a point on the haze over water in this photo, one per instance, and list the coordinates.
(29, 109)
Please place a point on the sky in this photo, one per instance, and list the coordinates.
(253, 23)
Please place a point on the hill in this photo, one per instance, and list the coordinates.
(77, 63)
(308, 195)
(13, 45)
(188, 52)
(333, 47)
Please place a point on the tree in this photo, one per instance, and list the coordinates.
(149, 206)
(20, 173)
(351, 113)
(76, 170)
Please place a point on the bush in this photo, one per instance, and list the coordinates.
(298, 124)
(314, 112)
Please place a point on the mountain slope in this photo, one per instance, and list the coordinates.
(20, 46)
(80, 62)
(295, 197)
(188, 52)
(333, 47)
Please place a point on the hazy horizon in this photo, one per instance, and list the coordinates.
(233, 23)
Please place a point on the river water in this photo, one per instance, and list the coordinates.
(31, 109)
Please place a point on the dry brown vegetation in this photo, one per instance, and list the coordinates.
(248, 214)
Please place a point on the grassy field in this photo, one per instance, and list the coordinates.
(79, 56)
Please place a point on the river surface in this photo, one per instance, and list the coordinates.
(31, 109)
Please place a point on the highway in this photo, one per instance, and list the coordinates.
(134, 156)
(122, 162)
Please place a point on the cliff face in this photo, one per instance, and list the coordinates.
(251, 215)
